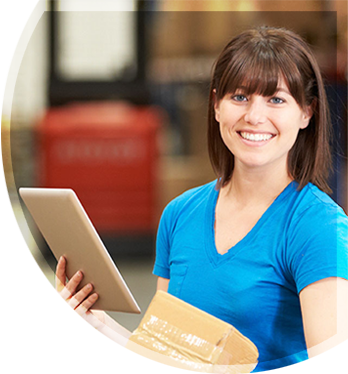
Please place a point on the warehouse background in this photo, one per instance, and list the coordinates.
(85, 82)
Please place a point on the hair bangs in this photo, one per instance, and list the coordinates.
(256, 73)
(256, 62)
(259, 72)
(294, 81)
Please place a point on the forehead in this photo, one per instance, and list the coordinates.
(282, 86)
(260, 69)
(265, 78)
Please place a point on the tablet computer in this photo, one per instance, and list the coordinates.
(68, 231)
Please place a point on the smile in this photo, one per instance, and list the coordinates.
(255, 137)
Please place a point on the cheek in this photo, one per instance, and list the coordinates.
(227, 137)
(288, 124)
(289, 134)
(228, 117)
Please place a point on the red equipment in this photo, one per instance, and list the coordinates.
(107, 153)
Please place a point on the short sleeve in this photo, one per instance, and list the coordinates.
(317, 246)
(161, 267)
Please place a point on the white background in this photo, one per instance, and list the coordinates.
(7, 227)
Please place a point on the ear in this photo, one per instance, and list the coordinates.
(306, 116)
(216, 106)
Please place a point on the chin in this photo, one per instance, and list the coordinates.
(253, 162)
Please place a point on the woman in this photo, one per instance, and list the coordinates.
(263, 247)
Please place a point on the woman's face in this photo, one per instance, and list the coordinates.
(260, 131)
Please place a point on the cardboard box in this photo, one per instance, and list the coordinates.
(177, 334)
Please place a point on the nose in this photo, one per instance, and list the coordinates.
(256, 111)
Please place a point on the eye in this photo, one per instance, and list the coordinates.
(277, 100)
(239, 98)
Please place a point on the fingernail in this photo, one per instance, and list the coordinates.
(95, 296)
(89, 286)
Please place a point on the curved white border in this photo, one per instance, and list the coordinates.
(27, 16)
(7, 223)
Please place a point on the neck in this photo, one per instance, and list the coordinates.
(256, 187)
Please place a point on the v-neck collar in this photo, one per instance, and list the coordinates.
(218, 259)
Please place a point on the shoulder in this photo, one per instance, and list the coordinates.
(194, 194)
(317, 220)
(317, 240)
(311, 203)
(189, 198)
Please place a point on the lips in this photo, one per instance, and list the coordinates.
(255, 137)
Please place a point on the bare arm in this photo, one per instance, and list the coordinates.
(114, 335)
(162, 284)
(111, 323)
(324, 306)
(83, 300)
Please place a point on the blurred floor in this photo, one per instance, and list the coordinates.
(49, 342)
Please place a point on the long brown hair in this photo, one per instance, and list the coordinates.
(256, 59)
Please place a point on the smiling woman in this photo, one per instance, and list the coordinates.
(263, 247)
(268, 62)
(260, 130)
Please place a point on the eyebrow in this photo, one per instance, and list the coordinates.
(283, 90)
(278, 89)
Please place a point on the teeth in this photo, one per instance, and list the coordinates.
(255, 137)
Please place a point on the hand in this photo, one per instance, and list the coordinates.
(77, 304)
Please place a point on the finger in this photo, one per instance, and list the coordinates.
(68, 290)
(85, 305)
(73, 283)
(78, 298)
(60, 274)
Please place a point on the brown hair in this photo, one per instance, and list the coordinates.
(257, 58)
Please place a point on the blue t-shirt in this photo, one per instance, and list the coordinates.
(255, 286)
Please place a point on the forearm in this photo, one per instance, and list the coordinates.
(110, 322)
(114, 340)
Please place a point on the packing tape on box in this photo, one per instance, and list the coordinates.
(191, 351)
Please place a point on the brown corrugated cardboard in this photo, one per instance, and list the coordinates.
(178, 334)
